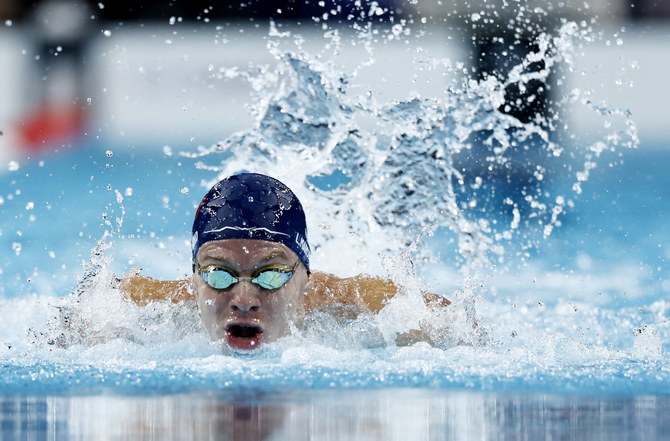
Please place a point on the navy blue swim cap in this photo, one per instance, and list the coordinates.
(251, 206)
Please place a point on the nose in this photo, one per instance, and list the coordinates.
(245, 299)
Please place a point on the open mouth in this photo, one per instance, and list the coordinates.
(244, 336)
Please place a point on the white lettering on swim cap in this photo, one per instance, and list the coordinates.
(194, 240)
(251, 229)
(302, 243)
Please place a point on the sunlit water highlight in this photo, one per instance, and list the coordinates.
(445, 193)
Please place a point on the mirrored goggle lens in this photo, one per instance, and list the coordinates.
(272, 279)
(218, 279)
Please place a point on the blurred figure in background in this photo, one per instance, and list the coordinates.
(54, 90)
(649, 9)
(59, 99)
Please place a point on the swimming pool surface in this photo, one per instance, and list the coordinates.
(387, 414)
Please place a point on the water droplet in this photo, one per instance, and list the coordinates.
(17, 248)
(8, 23)
(107, 33)
(184, 190)
(13, 166)
(109, 153)
(30, 205)
(129, 191)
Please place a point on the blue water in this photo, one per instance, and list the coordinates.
(75, 201)
(337, 415)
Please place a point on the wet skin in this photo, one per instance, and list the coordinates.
(246, 315)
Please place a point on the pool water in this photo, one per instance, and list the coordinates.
(388, 414)
(555, 336)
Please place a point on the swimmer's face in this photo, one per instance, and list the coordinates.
(245, 315)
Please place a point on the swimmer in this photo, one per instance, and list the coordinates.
(251, 270)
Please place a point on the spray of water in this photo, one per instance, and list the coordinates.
(380, 178)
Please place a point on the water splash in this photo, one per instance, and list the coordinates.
(378, 177)
(97, 313)
(404, 169)
(379, 180)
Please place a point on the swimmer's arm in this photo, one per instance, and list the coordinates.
(366, 292)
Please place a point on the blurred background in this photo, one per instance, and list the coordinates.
(126, 71)
(97, 97)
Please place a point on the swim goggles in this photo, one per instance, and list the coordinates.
(269, 278)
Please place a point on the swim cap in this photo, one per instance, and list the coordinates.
(251, 206)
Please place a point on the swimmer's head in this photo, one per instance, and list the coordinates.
(251, 206)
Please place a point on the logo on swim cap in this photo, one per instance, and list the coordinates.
(251, 206)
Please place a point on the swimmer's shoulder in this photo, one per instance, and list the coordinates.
(327, 289)
(142, 289)
(367, 292)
